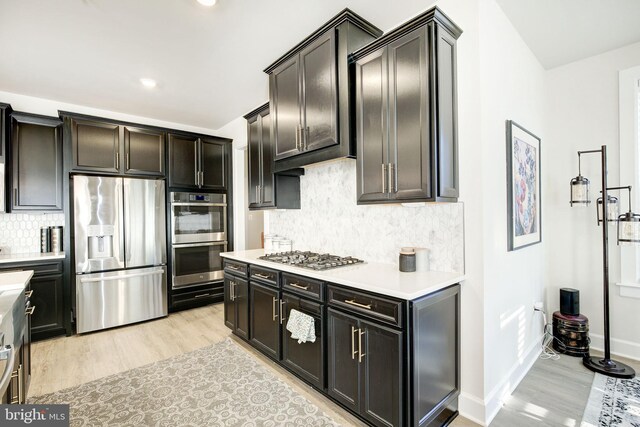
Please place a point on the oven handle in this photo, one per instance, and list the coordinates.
(199, 204)
(195, 245)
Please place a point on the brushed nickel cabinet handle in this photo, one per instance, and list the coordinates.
(232, 267)
(297, 137)
(232, 290)
(282, 316)
(305, 137)
(262, 276)
(390, 177)
(15, 375)
(384, 178)
(201, 295)
(395, 178)
(274, 309)
(201, 178)
(197, 178)
(29, 311)
(259, 193)
(353, 343)
(361, 355)
(15, 197)
(126, 161)
(357, 304)
(296, 285)
(28, 294)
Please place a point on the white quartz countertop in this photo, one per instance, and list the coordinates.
(383, 279)
(11, 287)
(36, 256)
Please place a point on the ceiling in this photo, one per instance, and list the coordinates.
(563, 31)
(208, 61)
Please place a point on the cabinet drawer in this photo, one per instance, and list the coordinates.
(40, 269)
(303, 286)
(376, 307)
(202, 295)
(235, 267)
(264, 275)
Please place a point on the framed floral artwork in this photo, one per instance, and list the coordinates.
(523, 187)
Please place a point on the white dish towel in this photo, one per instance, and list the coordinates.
(301, 326)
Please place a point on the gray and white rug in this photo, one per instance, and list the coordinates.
(219, 385)
(613, 403)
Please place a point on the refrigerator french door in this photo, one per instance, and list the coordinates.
(120, 251)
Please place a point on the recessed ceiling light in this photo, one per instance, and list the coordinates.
(150, 83)
(207, 2)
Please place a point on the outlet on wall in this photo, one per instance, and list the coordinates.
(538, 306)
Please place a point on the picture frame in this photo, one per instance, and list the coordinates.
(524, 201)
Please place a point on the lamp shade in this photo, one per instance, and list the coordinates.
(580, 191)
(613, 209)
(629, 228)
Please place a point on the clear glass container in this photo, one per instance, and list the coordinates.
(613, 209)
(629, 229)
(286, 245)
(579, 191)
(268, 243)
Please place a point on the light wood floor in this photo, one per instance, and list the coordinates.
(553, 393)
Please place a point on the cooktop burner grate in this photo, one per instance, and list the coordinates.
(311, 260)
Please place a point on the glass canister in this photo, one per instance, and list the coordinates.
(268, 243)
(286, 245)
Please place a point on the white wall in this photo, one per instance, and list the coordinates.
(512, 87)
(237, 130)
(582, 114)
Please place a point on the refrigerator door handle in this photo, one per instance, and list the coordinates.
(120, 277)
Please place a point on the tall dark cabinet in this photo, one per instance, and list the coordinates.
(5, 110)
(36, 163)
(405, 113)
(309, 94)
(266, 189)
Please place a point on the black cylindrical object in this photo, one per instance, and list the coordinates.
(45, 239)
(571, 334)
(569, 301)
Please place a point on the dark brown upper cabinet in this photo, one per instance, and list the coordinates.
(406, 113)
(143, 151)
(266, 189)
(5, 110)
(309, 94)
(200, 162)
(105, 146)
(36, 163)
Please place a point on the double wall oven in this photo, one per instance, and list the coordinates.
(199, 235)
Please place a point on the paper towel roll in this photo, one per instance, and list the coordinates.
(422, 259)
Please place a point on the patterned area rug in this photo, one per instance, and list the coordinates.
(220, 385)
(613, 402)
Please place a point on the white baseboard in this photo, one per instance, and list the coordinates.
(472, 408)
(495, 399)
(628, 349)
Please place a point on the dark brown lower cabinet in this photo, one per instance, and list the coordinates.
(365, 368)
(305, 359)
(48, 317)
(265, 319)
(236, 305)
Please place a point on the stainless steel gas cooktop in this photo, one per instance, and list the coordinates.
(311, 260)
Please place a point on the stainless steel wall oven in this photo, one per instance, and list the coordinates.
(198, 229)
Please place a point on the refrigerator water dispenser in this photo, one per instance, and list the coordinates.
(100, 241)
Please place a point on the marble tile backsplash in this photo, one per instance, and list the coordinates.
(20, 233)
(330, 221)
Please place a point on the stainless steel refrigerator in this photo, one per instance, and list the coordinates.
(120, 251)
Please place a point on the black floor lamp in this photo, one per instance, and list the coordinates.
(628, 232)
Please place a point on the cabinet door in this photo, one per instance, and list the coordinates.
(409, 117)
(253, 129)
(372, 127)
(229, 302)
(48, 316)
(36, 150)
(265, 320)
(241, 297)
(284, 85)
(447, 133)
(319, 93)
(143, 151)
(268, 196)
(382, 385)
(213, 166)
(95, 145)
(305, 359)
(183, 161)
(343, 373)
